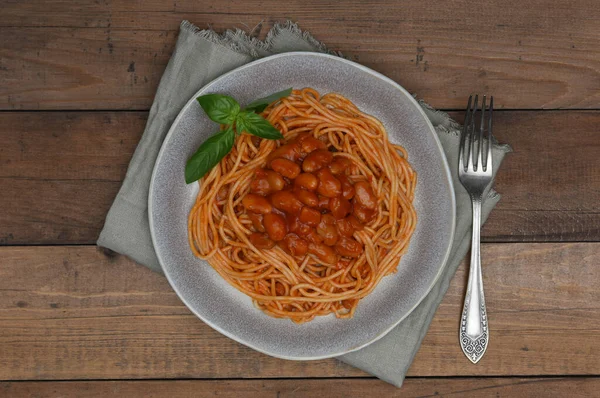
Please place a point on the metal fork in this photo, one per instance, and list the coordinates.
(475, 177)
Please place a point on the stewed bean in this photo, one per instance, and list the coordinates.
(323, 252)
(347, 187)
(310, 216)
(323, 203)
(275, 226)
(310, 234)
(349, 247)
(327, 230)
(339, 165)
(344, 227)
(260, 185)
(339, 207)
(286, 167)
(364, 195)
(288, 151)
(294, 245)
(355, 222)
(256, 203)
(328, 185)
(286, 201)
(307, 181)
(317, 160)
(307, 197)
(266, 181)
(294, 223)
(308, 143)
(363, 214)
(276, 181)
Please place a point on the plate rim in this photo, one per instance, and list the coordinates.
(448, 180)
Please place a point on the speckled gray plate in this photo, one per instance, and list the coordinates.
(231, 312)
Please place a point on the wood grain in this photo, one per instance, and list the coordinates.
(66, 169)
(110, 54)
(551, 181)
(412, 387)
(78, 313)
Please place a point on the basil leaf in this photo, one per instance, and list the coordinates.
(260, 104)
(209, 155)
(219, 108)
(256, 125)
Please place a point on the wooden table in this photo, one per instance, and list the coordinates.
(76, 81)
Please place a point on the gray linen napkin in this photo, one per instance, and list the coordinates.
(199, 57)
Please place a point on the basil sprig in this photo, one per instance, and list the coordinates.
(226, 110)
(209, 154)
(219, 108)
(255, 124)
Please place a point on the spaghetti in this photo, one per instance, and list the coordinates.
(301, 287)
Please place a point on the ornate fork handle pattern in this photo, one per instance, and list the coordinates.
(474, 348)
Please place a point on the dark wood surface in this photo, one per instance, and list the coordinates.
(583, 387)
(110, 54)
(76, 82)
(75, 312)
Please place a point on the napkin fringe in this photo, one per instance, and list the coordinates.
(250, 45)
(293, 28)
(227, 39)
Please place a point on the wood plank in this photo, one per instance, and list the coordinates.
(78, 313)
(550, 183)
(70, 146)
(110, 54)
(66, 169)
(412, 387)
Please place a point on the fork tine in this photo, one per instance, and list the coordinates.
(489, 151)
(472, 136)
(480, 140)
(463, 136)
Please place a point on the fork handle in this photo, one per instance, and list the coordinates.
(473, 326)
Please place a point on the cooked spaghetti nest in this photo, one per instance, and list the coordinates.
(303, 287)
